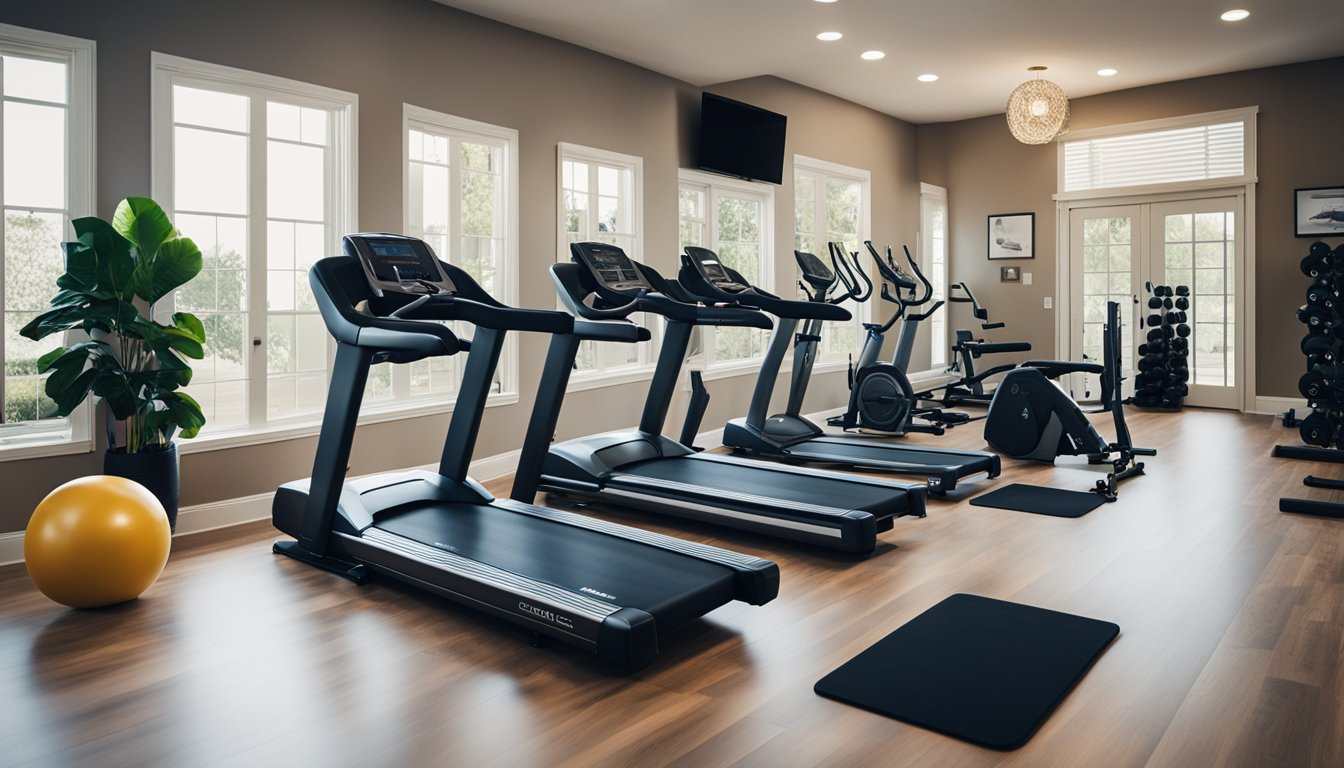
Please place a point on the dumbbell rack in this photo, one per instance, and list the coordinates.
(1323, 383)
(1164, 366)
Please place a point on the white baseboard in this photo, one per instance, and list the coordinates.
(1275, 406)
(199, 518)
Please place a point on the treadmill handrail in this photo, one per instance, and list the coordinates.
(333, 277)
(570, 283)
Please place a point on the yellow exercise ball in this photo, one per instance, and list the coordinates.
(97, 541)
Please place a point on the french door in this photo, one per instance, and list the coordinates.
(1198, 243)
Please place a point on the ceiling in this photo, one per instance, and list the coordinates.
(980, 49)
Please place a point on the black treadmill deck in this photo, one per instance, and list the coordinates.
(672, 587)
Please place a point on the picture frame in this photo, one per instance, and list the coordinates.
(1011, 236)
(1318, 211)
(1010, 274)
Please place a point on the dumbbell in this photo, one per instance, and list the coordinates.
(1320, 294)
(1314, 266)
(1180, 346)
(1150, 362)
(1154, 321)
(1316, 317)
(1313, 384)
(1183, 290)
(1173, 394)
(1154, 302)
(1318, 429)
(1182, 303)
(1166, 303)
(1182, 330)
(1155, 335)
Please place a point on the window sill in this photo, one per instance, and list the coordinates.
(310, 428)
(735, 368)
(831, 366)
(586, 380)
(42, 450)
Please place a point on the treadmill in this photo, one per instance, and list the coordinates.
(611, 589)
(789, 436)
(643, 469)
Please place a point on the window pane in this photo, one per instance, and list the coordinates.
(34, 156)
(313, 126)
(35, 79)
(282, 121)
(295, 178)
(33, 261)
(210, 109)
(209, 171)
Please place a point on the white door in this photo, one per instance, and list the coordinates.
(1106, 249)
(1197, 243)
(1115, 250)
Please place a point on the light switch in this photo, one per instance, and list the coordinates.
(1049, 303)
(1026, 278)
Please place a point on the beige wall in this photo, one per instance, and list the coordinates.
(989, 172)
(419, 52)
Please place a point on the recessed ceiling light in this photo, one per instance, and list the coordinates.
(825, 1)
(872, 55)
(927, 78)
(1107, 72)
(827, 37)
(1236, 15)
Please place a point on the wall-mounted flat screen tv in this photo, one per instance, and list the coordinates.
(740, 140)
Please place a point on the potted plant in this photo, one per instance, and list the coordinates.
(134, 363)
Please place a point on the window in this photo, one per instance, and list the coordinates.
(1212, 149)
(46, 152)
(460, 192)
(831, 204)
(601, 200)
(733, 219)
(259, 171)
(933, 222)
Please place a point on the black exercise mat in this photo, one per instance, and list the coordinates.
(1042, 501)
(986, 671)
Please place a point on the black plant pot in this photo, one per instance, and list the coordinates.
(154, 468)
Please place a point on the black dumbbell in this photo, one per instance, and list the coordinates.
(1313, 384)
(1155, 335)
(1180, 346)
(1154, 321)
(1318, 429)
(1183, 331)
(1314, 266)
(1154, 302)
(1166, 303)
(1320, 294)
(1182, 303)
(1183, 290)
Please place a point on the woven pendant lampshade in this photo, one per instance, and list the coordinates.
(1037, 111)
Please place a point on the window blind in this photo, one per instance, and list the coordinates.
(1195, 153)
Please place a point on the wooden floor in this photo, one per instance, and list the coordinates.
(1231, 649)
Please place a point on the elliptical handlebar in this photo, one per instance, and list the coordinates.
(980, 312)
(846, 272)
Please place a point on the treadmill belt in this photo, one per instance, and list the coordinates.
(966, 464)
(675, 588)
(765, 480)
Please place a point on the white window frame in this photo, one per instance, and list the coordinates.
(342, 206)
(31, 440)
(607, 375)
(824, 169)
(712, 185)
(932, 197)
(456, 129)
(1240, 186)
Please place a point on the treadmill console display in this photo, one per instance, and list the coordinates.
(713, 271)
(610, 266)
(398, 263)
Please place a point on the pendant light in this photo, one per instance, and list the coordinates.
(1038, 110)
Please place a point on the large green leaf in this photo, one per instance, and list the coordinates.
(111, 384)
(115, 262)
(81, 265)
(184, 344)
(180, 411)
(52, 321)
(190, 325)
(143, 222)
(177, 261)
(69, 397)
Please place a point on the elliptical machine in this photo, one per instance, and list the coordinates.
(1032, 417)
(881, 398)
(969, 387)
